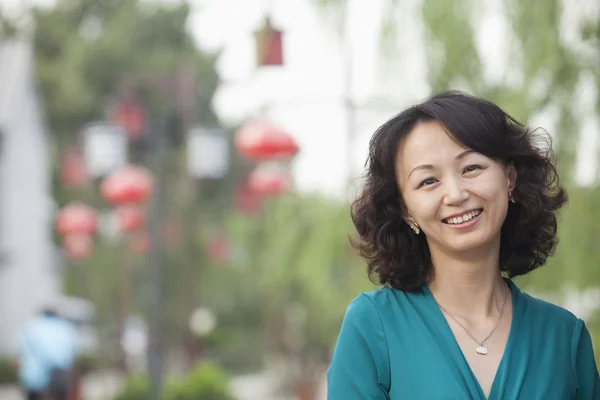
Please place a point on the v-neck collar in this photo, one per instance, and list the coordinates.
(500, 378)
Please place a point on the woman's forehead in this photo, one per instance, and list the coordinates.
(427, 139)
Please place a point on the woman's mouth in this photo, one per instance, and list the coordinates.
(465, 220)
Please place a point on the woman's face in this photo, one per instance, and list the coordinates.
(459, 198)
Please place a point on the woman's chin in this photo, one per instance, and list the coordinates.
(466, 243)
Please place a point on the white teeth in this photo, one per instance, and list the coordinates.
(463, 218)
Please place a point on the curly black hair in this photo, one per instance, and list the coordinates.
(397, 257)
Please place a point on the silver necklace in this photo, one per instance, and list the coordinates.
(481, 349)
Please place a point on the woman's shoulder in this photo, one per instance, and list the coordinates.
(550, 313)
(386, 300)
(384, 296)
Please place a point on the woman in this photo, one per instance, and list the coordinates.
(459, 197)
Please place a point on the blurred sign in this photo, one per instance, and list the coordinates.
(104, 148)
(207, 153)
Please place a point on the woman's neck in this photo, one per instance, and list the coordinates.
(471, 288)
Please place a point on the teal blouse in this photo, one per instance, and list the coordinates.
(397, 345)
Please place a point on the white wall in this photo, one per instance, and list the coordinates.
(28, 278)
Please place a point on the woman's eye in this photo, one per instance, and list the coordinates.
(427, 182)
(471, 168)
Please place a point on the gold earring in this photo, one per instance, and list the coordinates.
(415, 228)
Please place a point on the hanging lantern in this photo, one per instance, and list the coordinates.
(77, 246)
(269, 45)
(130, 185)
(76, 218)
(72, 171)
(130, 218)
(270, 179)
(131, 117)
(261, 141)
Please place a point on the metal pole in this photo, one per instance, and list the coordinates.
(156, 261)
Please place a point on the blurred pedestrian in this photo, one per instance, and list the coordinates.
(47, 351)
(458, 199)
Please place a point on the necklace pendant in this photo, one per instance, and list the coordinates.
(481, 350)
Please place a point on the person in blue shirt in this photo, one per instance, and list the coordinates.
(458, 199)
(47, 352)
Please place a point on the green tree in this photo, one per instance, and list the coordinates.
(298, 264)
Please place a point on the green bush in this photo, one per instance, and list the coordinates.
(206, 381)
(8, 371)
(136, 387)
(88, 363)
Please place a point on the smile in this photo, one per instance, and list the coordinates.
(461, 219)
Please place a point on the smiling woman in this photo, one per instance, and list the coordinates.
(458, 199)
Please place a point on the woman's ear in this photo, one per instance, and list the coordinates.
(406, 215)
(511, 176)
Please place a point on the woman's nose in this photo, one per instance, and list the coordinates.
(455, 193)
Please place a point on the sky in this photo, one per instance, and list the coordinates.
(306, 96)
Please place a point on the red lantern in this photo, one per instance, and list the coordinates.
(130, 116)
(130, 185)
(72, 171)
(269, 45)
(130, 218)
(261, 141)
(270, 179)
(76, 218)
(78, 246)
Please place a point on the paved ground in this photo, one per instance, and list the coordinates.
(99, 386)
(103, 386)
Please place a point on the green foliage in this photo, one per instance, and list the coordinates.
(206, 381)
(8, 371)
(136, 387)
(88, 363)
(297, 264)
(84, 50)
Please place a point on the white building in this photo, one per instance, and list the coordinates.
(28, 276)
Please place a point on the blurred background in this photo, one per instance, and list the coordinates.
(175, 176)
